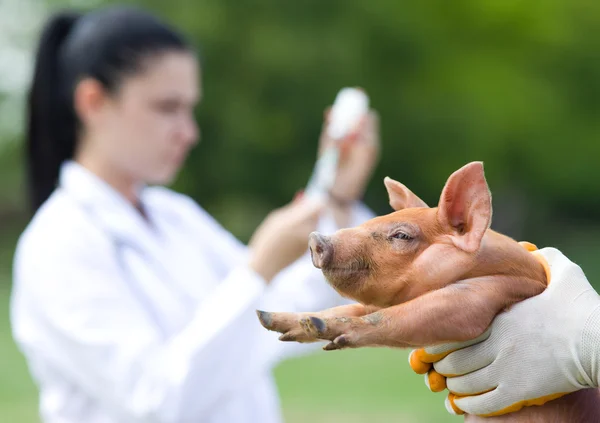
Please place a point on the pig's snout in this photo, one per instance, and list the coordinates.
(321, 250)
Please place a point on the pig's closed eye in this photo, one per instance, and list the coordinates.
(401, 235)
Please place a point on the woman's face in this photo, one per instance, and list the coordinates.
(146, 129)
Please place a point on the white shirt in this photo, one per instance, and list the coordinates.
(122, 320)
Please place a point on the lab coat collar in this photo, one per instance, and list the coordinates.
(108, 207)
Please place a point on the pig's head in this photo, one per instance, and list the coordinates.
(397, 257)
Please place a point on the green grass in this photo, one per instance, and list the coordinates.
(357, 386)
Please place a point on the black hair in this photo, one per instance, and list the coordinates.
(107, 45)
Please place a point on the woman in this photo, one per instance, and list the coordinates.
(130, 303)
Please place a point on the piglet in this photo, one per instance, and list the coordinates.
(421, 276)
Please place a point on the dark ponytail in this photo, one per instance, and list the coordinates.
(51, 128)
(107, 45)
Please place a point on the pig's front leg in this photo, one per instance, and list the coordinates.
(458, 312)
(290, 325)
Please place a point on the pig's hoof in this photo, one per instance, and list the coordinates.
(294, 336)
(265, 319)
(313, 326)
(338, 343)
(297, 335)
(306, 326)
(288, 337)
(318, 324)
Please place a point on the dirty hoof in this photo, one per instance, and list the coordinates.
(265, 319)
(313, 326)
(287, 324)
(318, 324)
(290, 337)
(338, 343)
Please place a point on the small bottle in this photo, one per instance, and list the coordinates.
(350, 105)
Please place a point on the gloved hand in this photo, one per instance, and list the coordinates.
(540, 349)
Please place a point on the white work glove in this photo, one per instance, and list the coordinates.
(540, 349)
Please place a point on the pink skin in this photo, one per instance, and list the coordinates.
(418, 267)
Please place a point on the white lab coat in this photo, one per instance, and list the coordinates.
(125, 321)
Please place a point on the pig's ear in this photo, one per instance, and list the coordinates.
(400, 196)
(466, 206)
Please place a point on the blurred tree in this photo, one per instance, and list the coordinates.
(515, 84)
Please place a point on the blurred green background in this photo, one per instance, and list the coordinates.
(513, 83)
